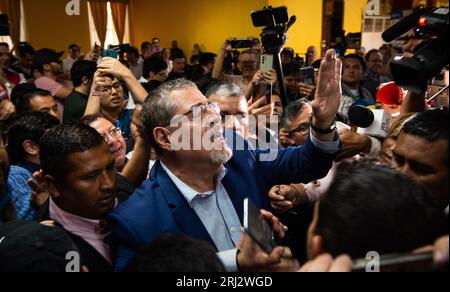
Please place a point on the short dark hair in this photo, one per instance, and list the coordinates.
(133, 50)
(291, 112)
(80, 69)
(291, 69)
(206, 58)
(357, 57)
(144, 46)
(178, 55)
(369, 53)
(59, 142)
(153, 64)
(28, 126)
(176, 253)
(25, 49)
(431, 125)
(74, 46)
(24, 101)
(19, 90)
(371, 207)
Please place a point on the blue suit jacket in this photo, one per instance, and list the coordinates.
(158, 208)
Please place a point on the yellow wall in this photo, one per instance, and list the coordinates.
(353, 15)
(49, 26)
(308, 28)
(206, 22)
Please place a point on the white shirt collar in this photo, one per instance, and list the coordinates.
(189, 193)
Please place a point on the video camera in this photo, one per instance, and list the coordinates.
(430, 57)
(276, 23)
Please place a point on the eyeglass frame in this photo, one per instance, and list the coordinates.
(110, 134)
(116, 85)
(305, 126)
(203, 108)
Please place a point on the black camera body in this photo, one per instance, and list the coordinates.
(430, 57)
(276, 22)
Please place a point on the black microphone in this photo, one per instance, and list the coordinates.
(360, 116)
(403, 26)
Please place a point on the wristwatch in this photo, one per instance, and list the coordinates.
(330, 130)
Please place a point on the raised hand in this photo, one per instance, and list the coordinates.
(328, 93)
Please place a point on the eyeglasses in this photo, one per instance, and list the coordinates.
(302, 129)
(201, 108)
(3, 139)
(116, 86)
(114, 133)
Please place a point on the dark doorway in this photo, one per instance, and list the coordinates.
(332, 23)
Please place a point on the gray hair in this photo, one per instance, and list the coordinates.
(225, 90)
(292, 111)
(158, 109)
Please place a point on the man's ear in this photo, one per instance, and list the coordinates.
(162, 138)
(47, 67)
(317, 246)
(53, 186)
(30, 148)
(85, 80)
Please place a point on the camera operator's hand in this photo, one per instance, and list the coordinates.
(285, 197)
(99, 82)
(353, 144)
(260, 109)
(326, 263)
(270, 76)
(252, 258)
(327, 98)
(226, 47)
(115, 67)
(285, 139)
(307, 90)
(92, 56)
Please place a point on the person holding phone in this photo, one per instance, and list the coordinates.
(200, 192)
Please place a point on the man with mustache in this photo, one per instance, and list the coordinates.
(79, 171)
(199, 191)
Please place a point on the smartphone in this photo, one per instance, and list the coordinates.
(308, 76)
(260, 89)
(241, 44)
(257, 227)
(110, 53)
(420, 262)
(266, 62)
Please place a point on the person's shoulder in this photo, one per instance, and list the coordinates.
(141, 200)
(19, 172)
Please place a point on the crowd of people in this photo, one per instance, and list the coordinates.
(93, 161)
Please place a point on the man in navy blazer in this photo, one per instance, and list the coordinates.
(198, 190)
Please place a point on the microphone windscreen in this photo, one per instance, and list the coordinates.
(360, 116)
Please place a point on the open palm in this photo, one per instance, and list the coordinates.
(328, 93)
